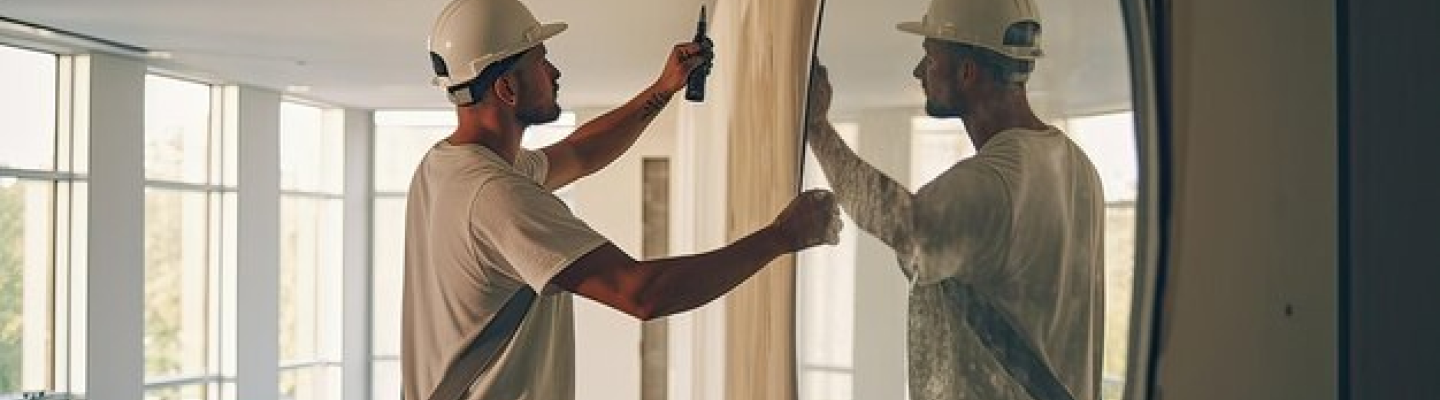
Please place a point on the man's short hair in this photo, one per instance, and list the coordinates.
(1003, 69)
(483, 82)
(480, 86)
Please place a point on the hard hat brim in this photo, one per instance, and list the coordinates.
(549, 30)
(918, 28)
(540, 35)
(914, 27)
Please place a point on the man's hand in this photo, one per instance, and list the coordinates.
(684, 58)
(820, 94)
(812, 218)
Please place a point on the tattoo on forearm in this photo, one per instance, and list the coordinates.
(653, 105)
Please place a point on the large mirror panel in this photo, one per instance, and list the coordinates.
(868, 315)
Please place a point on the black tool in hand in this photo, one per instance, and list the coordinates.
(695, 84)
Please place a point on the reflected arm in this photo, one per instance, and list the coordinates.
(877, 203)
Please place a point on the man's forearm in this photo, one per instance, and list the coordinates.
(602, 140)
(877, 203)
(684, 283)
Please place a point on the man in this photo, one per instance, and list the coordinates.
(482, 224)
(1003, 250)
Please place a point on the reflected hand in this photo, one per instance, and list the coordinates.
(820, 94)
(811, 219)
(684, 59)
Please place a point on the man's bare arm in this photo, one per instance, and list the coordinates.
(657, 288)
(876, 202)
(598, 142)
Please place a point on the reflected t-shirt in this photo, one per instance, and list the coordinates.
(476, 230)
(1022, 223)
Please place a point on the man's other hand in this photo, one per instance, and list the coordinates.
(812, 218)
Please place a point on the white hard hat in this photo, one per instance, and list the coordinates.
(470, 35)
(982, 23)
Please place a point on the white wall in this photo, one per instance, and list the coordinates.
(359, 128)
(112, 107)
(255, 118)
(1251, 296)
(607, 342)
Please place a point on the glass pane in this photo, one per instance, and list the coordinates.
(226, 320)
(177, 267)
(25, 243)
(177, 130)
(27, 109)
(188, 392)
(398, 149)
(1109, 141)
(310, 284)
(1119, 289)
(935, 145)
(312, 153)
(311, 383)
(389, 267)
(826, 385)
(826, 293)
(386, 384)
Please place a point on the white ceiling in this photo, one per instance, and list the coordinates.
(371, 53)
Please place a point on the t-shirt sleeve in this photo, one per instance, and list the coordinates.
(961, 224)
(534, 164)
(533, 231)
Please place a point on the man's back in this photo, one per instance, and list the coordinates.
(478, 230)
(1021, 223)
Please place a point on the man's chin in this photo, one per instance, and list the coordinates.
(541, 117)
(939, 111)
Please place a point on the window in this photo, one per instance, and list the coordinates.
(401, 140)
(311, 232)
(36, 185)
(189, 240)
(1109, 141)
(935, 145)
(826, 300)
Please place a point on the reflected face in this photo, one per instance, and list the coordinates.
(539, 82)
(940, 76)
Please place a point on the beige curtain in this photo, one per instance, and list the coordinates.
(771, 53)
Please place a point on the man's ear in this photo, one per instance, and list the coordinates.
(505, 89)
(969, 72)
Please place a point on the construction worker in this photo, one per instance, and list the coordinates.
(483, 228)
(1003, 250)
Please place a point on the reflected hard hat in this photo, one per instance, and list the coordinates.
(1008, 27)
(470, 35)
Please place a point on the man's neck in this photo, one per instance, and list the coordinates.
(489, 129)
(988, 119)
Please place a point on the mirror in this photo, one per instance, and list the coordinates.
(854, 302)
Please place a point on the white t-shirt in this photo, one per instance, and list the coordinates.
(1022, 222)
(476, 229)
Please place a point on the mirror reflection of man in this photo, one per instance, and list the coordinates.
(1003, 250)
(484, 229)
